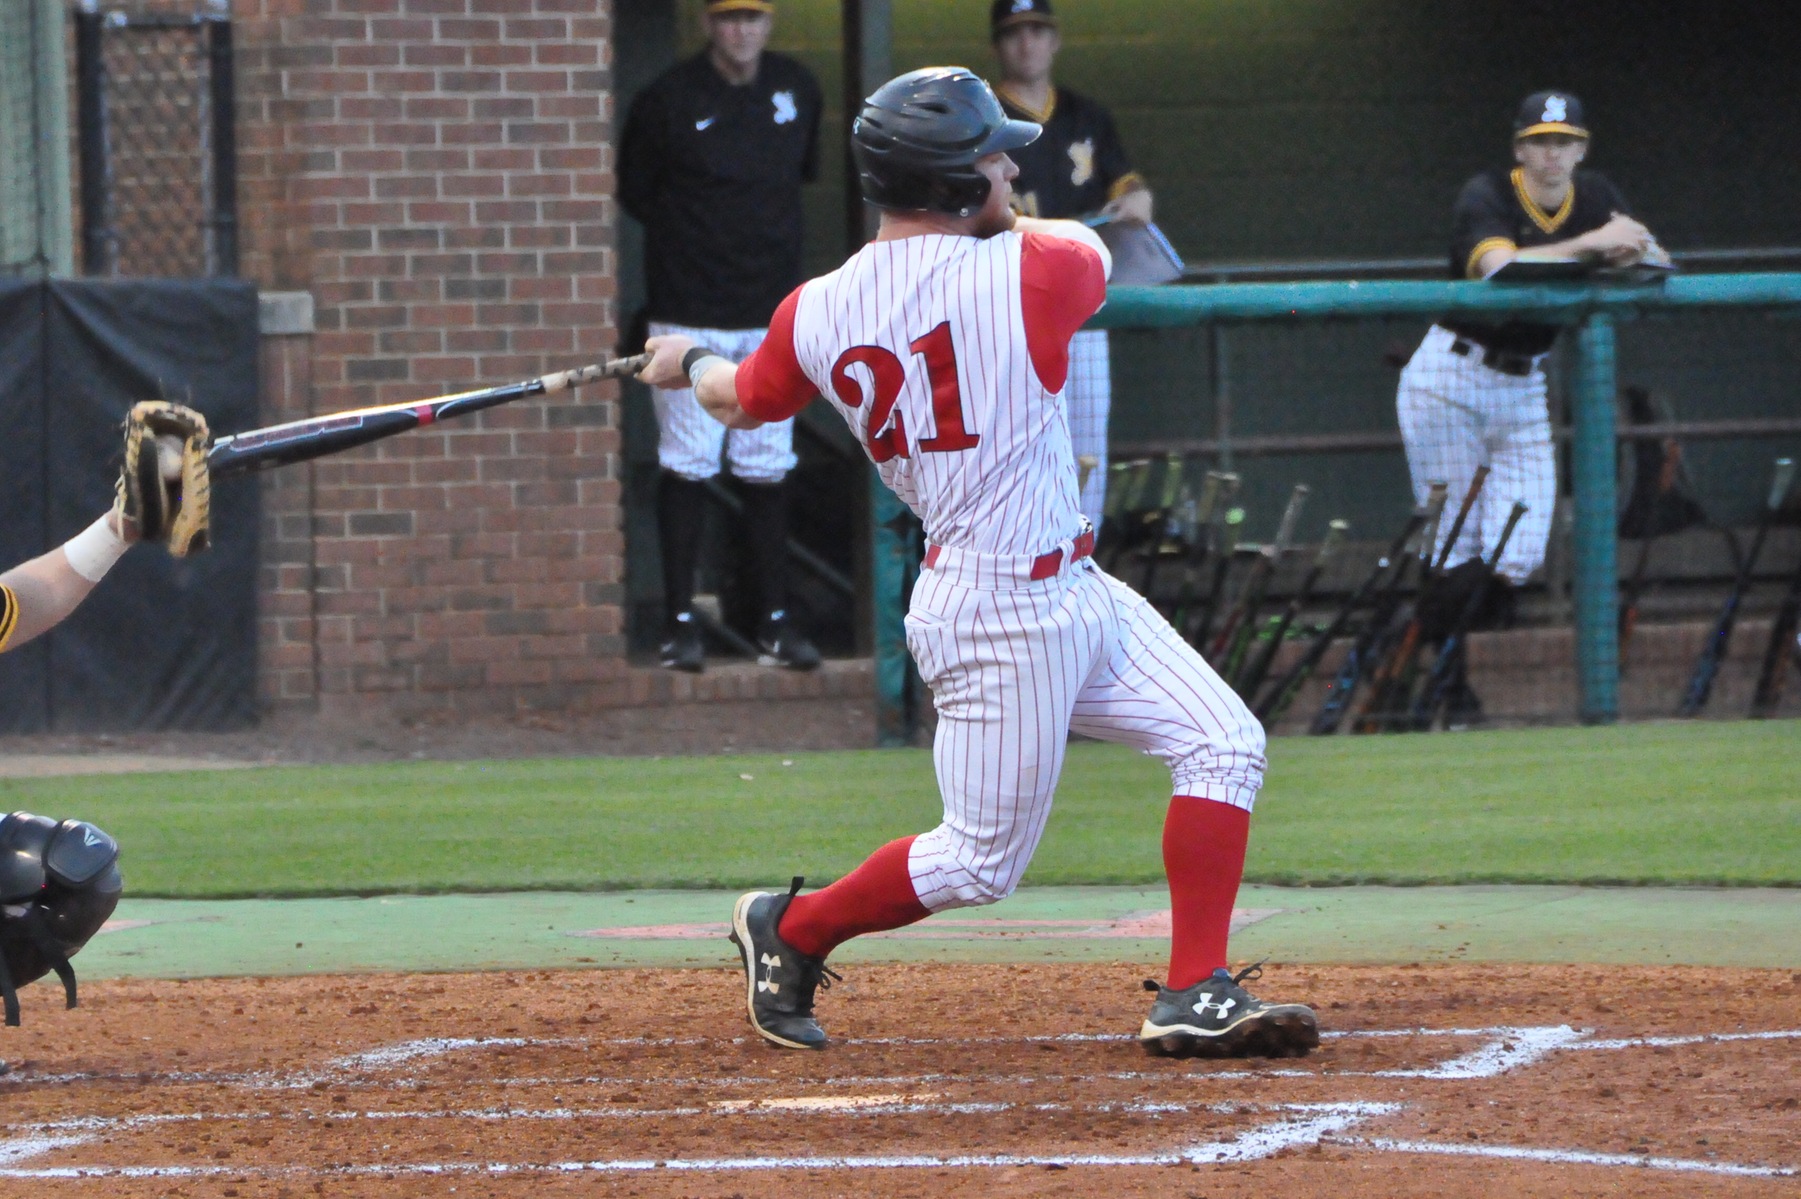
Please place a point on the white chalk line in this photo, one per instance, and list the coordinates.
(849, 1106)
(1575, 1157)
(1307, 1126)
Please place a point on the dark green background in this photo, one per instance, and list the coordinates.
(1331, 129)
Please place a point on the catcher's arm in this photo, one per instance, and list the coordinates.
(38, 595)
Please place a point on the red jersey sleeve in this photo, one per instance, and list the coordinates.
(1062, 283)
(771, 385)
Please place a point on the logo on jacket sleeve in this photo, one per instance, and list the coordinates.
(785, 109)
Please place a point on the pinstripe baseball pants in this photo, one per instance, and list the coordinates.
(1088, 396)
(691, 444)
(1015, 665)
(1457, 414)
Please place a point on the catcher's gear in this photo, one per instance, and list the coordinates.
(58, 884)
(918, 138)
(175, 512)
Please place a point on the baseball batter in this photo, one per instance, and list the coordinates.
(944, 344)
(1474, 391)
(1076, 168)
(711, 162)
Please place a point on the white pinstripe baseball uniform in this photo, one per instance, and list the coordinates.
(947, 356)
(692, 444)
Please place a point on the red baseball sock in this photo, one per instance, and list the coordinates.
(1203, 855)
(876, 896)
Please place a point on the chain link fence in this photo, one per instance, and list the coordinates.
(155, 118)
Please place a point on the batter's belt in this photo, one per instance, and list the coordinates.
(1002, 572)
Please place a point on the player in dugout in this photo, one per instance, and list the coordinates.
(1078, 170)
(711, 163)
(1474, 393)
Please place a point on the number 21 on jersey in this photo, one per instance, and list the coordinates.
(884, 429)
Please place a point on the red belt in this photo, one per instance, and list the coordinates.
(1044, 565)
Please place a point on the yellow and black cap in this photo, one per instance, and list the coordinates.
(1007, 14)
(1549, 112)
(715, 7)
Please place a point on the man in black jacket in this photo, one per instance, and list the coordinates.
(711, 163)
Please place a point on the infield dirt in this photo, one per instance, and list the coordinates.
(945, 1080)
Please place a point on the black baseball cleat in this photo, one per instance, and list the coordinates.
(781, 644)
(779, 980)
(682, 648)
(1218, 1018)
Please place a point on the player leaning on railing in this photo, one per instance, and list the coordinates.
(1474, 393)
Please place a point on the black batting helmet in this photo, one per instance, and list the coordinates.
(917, 141)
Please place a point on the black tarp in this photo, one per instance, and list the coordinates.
(162, 643)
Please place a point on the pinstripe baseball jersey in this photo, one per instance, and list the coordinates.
(947, 356)
(9, 615)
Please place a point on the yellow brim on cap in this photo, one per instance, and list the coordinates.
(714, 6)
(1551, 127)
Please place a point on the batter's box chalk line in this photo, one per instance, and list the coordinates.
(1503, 1050)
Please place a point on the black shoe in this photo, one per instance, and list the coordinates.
(682, 648)
(1218, 1018)
(779, 981)
(781, 644)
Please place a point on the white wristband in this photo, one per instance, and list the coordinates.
(92, 552)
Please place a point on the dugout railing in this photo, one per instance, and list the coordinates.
(1594, 311)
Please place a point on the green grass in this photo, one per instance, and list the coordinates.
(1682, 804)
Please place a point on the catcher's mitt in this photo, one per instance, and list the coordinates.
(175, 511)
(58, 884)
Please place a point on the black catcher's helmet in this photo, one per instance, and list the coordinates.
(917, 140)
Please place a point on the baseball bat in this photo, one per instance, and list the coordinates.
(1216, 500)
(1282, 692)
(1635, 584)
(1243, 612)
(1780, 651)
(1224, 551)
(1258, 669)
(1391, 676)
(1713, 654)
(1381, 623)
(317, 436)
(1450, 655)
(1161, 520)
(1123, 518)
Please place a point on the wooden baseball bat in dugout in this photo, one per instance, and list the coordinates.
(1446, 670)
(1281, 693)
(1381, 621)
(1123, 518)
(1216, 499)
(1781, 650)
(317, 436)
(1394, 665)
(1259, 666)
(1241, 626)
(1707, 666)
(1160, 520)
(1224, 551)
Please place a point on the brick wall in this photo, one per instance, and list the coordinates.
(438, 174)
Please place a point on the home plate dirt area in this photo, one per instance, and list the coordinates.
(1432, 1079)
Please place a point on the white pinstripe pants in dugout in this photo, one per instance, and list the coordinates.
(1015, 665)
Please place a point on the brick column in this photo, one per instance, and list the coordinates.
(438, 174)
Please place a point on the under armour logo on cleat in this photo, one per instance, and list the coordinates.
(771, 964)
(1223, 1006)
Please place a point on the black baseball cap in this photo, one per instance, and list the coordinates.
(1005, 14)
(1549, 112)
